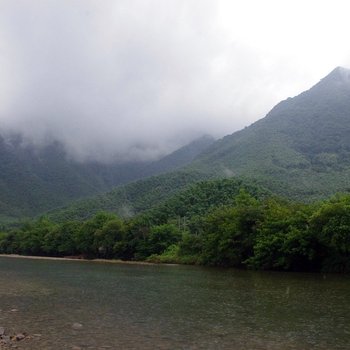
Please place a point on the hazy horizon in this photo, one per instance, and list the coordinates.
(138, 79)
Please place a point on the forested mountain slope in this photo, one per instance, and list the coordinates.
(301, 149)
(34, 180)
(130, 199)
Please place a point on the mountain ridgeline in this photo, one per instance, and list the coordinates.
(300, 151)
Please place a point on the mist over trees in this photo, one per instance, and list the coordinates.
(248, 229)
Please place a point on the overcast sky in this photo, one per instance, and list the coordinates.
(138, 78)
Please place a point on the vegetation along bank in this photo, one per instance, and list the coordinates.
(216, 223)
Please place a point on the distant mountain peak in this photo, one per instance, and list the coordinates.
(341, 72)
(344, 73)
(337, 75)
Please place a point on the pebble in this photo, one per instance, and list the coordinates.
(8, 340)
(20, 336)
(77, 326)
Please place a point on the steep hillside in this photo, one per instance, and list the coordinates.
(181, 157)
(201, 198)
(171, 195)
(301, 149)
(130, 199)
(34, 180)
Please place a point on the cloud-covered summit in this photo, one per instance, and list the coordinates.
(140, 78)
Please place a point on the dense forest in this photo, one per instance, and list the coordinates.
(131, 199)
(35, 179)
(217, 223)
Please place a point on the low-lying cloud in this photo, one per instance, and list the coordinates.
(138, 78)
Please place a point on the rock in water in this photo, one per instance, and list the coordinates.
(77, 326)
(20, 336)
(5, 338)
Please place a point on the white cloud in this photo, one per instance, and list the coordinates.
(137, 78)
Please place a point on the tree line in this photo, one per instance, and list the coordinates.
(249, 232)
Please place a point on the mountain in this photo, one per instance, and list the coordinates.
(300, 150)
(132, 198)
(34, 180)
(179, 158)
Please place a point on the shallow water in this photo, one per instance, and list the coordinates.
(171, 307)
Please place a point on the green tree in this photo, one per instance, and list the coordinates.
(159, 239)
(283, 238)
(229, 232)
(61, 240)
(86, 236)
(107, 239)
(331, 223)
(31, 236)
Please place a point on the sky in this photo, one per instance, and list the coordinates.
(136, 79)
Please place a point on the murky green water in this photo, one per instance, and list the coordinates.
(171, 307)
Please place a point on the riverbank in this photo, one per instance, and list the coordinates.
(266, 234)
(109, 261)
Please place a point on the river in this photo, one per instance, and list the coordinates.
(90, 305)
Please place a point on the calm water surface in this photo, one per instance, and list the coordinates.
(171, 307)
